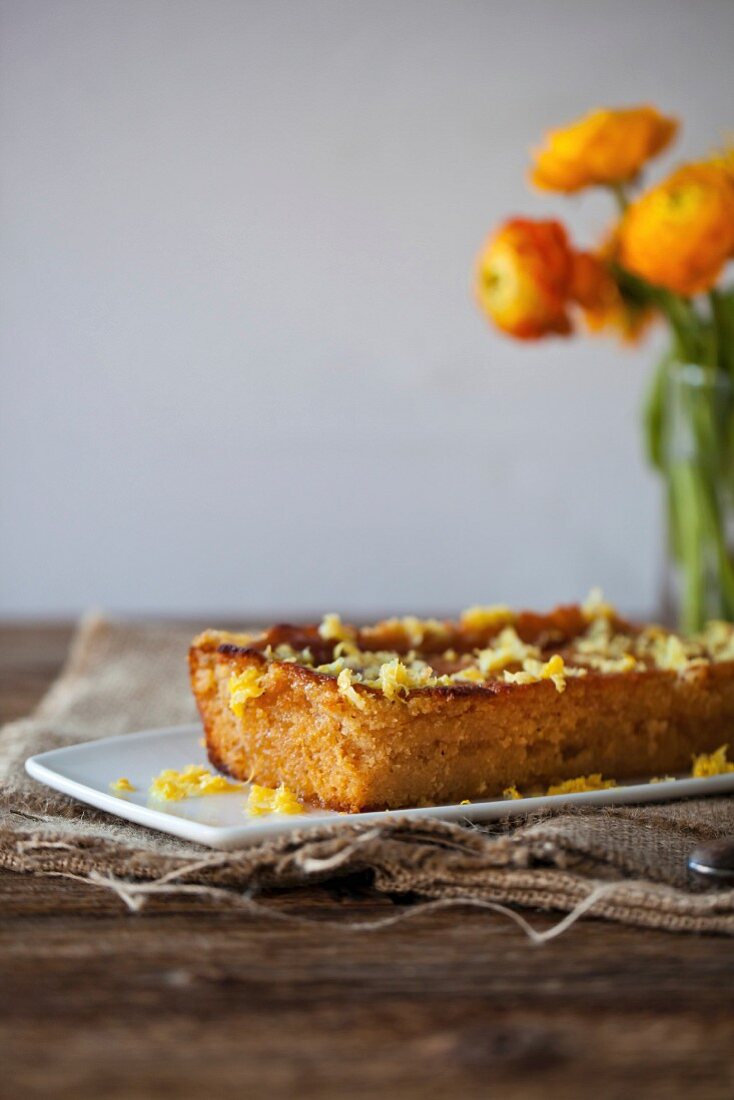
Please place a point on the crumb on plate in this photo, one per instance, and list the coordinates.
(272, 800)
(581, 784)
(192, 782)
(122, 784)
(713, 763)
(511, 793)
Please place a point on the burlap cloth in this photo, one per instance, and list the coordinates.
(623, 863)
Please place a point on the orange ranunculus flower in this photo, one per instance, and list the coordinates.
(523, 278)
(724, 158)
(604, 147)
(605, 308)
(680, 234)
(592, 285)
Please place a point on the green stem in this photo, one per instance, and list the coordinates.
(653, 414)
(684, 323)
(620, 197)
(723, 331)
(686, 537)
(696, 450)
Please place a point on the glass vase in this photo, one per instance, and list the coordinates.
(698, 466)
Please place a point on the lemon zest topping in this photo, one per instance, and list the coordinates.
(714, 763)
(385, 670)
(332, 629)
(272, 800)
(509, 650)
(344, 683)
(511, 793)
(718, 639)
(671, 653)
(193, 781)
(396, 679)
(122, 784)
(596, 607)
(333, 668)
(487, 618)
(472, 674)
(417, 630)
(625, 663)
(606, 651)
(506, 656)
(244, 686)
(582, 783)
(601, 640)
(534, 671)
(287, 653)
(662, 779)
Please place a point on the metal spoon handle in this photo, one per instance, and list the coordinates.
(713, 860)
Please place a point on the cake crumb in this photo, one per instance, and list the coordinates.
(581, 784)
(267, 800)
(714, 763)
(122, 784)
(193, 781)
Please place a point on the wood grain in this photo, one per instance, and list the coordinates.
(183, 1001)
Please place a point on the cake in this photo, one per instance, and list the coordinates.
(415, 712)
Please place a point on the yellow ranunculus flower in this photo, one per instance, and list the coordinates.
(680, 234)
(604, 147)
(524, 276)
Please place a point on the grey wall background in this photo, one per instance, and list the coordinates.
(242, 370)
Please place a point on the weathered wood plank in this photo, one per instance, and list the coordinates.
(31, 656)
(184, 1001)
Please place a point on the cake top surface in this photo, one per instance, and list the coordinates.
(487, 648)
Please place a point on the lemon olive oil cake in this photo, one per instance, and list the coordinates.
(413, 712)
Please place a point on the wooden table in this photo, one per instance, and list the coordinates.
(179, 1001)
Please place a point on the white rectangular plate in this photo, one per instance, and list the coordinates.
(220, 821)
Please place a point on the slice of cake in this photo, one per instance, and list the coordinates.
(412, 712)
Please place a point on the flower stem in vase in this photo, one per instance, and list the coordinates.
(697, 416)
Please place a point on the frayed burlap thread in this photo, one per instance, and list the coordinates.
(625, 863)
